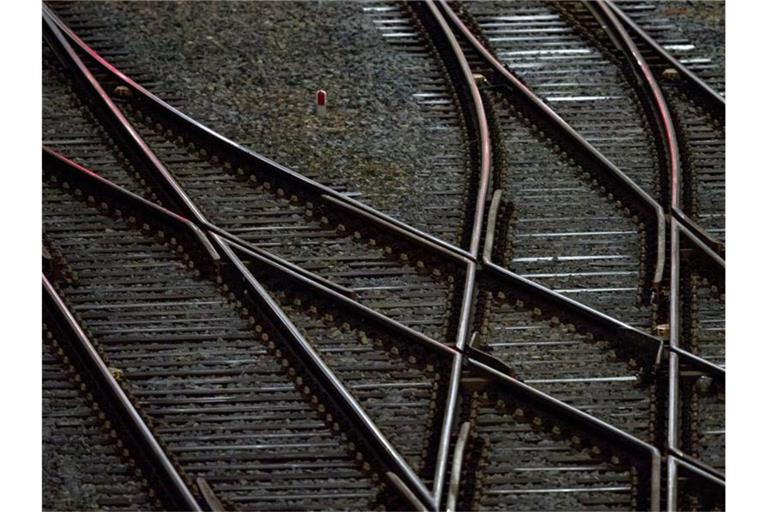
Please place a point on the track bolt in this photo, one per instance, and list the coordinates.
(670, 74)
(117, 373)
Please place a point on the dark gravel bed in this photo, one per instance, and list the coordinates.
(250, 70)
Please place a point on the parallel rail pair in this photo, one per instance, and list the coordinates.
(218, 242)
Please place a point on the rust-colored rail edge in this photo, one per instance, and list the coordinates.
(711, 98)
(652, 210)
(151, 456)
(658, 113)
(216, 142)
(656, 106)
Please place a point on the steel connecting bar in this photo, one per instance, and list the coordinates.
(641, 451)
(154, 461)
(241, 156)
(709, 96)
(652, 209)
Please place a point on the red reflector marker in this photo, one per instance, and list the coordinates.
(320, 99)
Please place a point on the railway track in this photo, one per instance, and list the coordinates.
(698, 49)
(292, 348)
(77, 452)
(546, 47)
(198, 369)
(418, 90)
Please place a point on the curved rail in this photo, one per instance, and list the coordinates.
(657, 105)
(651, 208)
(709, 96)
(658, 110)
(239, 154)
(472, 104)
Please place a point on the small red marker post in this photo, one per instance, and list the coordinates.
(321, 98)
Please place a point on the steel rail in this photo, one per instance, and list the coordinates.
(329, 382)
(709, 96)
(699, 363)
(495, 274)
(643, 452)
(656, 106)
(656, 109)
(472, 105)
(673, 398)
(111, 116)
(395, 328)
(712, 258)
(406, 492)
(666, 136)
(157, 167)
(238, 154)
(340, 200)
(154, 461)
(701, 466)
(144, 158)
(715, 484)
(67, 167)
(652, 209)
(458, 457)
(715, 245)
(616, 331)
(225, 255)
